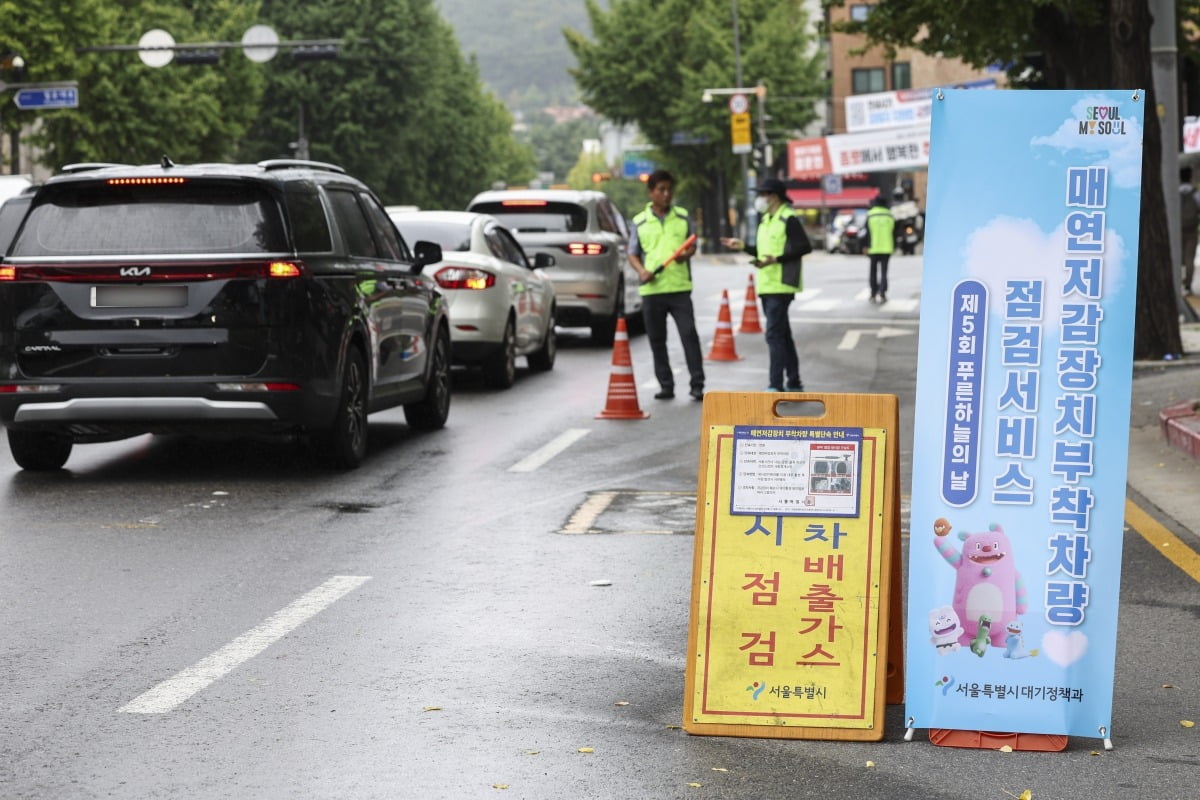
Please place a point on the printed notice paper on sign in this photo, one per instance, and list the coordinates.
(1023, 381)
(801, 471)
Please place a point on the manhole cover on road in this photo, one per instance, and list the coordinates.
(626, 511)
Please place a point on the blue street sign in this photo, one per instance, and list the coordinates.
(56, 97)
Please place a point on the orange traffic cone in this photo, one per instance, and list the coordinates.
(750, 322)
(722, 346)
(622, 400)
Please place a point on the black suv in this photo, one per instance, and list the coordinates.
(214, 298)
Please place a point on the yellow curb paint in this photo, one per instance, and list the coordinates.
(1171, 546)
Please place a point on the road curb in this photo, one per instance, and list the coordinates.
(1180, 424)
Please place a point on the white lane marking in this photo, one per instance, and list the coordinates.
(176, 690)
(539, 457)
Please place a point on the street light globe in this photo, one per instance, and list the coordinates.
(18, 62)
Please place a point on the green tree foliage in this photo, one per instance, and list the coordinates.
(401, 108)
(649, 62)
(1060, 44)
(556, 147)
(128, 111)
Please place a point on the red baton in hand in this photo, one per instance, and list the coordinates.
(688, 242)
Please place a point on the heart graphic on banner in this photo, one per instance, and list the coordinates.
(1063, 648)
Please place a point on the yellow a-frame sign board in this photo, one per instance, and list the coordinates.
(795, 627)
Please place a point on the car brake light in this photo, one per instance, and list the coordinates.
(140, 273)
(585, 248)
(143, 181)
(464, 278)
(283, 269)
(30, 388)
(523, 202)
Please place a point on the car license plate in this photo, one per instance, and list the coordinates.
(139, 296)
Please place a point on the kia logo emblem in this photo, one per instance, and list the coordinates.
(135, 272)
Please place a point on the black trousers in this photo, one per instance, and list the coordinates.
(655, 310)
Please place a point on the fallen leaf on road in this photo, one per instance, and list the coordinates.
(695, 785)
(719, 769)
(1187, 723)
(532, 752)
(870, 764)
(621, 703)
(673, 727)
(1006, 749)
(587, 750)
(1168, 686)
(499, 785)
(433, 708)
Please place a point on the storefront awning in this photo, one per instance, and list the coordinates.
(850, 197)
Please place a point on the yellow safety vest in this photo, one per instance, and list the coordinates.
(659, 238)
(772, 239)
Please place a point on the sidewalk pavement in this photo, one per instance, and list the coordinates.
(1164, 435)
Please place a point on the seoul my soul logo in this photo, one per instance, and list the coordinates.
(1102, 121)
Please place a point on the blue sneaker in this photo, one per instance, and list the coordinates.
(795, 387)
(772, 389)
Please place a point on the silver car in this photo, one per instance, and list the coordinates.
(588, 237)
(501, 304)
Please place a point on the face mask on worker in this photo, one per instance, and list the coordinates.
(760, 204)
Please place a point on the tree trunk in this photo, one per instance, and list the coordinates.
(1156, 328)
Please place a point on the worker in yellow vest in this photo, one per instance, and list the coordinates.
(780, 245)
(658, 231)
(881, 243)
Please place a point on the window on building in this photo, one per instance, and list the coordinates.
(859, 12)
(901, 75)
(867, 80)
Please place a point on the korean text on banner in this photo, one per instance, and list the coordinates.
(1024, 367)
(789, 603)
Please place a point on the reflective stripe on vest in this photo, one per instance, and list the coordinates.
(659, 238)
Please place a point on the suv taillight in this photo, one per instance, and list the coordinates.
(585, 248)
(464, 278)
(94, 273)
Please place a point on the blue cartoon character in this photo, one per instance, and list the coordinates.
(1014, 642)
(987, 587)
(944, 630)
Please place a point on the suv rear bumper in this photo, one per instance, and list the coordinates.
(128, 409)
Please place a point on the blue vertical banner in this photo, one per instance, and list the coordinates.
(1023, 377)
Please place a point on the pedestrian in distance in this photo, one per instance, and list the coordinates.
(1189, 224)
(659, 230)
(881, 243)
(778, 251)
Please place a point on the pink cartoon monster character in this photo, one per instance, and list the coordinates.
(988, 584)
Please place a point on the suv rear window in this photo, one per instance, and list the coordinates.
(94, 218)
(536, 216)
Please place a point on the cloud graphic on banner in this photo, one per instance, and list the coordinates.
(1007, 248)
(1124, 159)
(1064, 648)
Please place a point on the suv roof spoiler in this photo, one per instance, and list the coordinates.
(286, 163)
(86, 166)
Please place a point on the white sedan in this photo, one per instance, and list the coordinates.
(501, 305)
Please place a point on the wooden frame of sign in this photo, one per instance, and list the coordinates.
(796, 568)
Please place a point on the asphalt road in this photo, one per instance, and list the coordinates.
(498, 609)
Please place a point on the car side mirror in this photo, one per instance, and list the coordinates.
(541, 260)
(426, 253)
